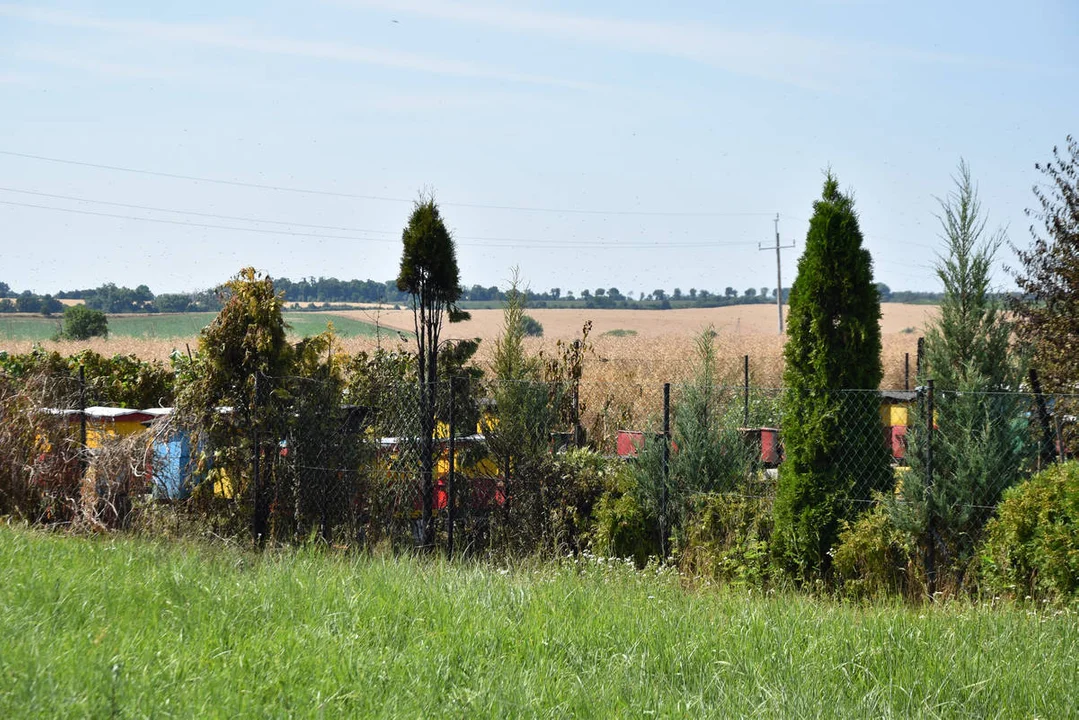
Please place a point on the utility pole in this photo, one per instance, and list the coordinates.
(779, 273)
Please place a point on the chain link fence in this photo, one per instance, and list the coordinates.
(478, 465)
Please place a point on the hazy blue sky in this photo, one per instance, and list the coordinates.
(633, 144)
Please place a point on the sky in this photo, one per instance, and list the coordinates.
(636, 145)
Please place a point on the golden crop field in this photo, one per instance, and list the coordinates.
(633, 347)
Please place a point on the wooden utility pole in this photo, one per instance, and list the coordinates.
(779, 273)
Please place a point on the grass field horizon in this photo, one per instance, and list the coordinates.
(167, 326)
(121, 626)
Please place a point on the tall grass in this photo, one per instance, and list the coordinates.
(126, 627)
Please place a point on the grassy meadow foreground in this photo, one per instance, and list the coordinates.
(132, 628)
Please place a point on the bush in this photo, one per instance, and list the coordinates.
(40, 464)
(727, 538)
(873, 556)
(83, 323)
(623, 526)
(1032, 545)
(532, 326)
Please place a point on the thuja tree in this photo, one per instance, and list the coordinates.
(521, 397)
(834, 445)
(518, 434)
(430, 276)
(978, 442)
(1048, 311)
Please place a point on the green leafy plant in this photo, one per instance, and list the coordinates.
(874, 558)
(83, 323)
(1032, 545)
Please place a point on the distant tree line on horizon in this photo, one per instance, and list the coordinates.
(315, 293)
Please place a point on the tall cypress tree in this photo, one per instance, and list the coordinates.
(835, 448)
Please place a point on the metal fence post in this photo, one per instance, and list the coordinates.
(451, 480)
(1046, 453)
(666, 469)
(258, 519)
(906, 371)
(1059, 429)
(576, 409)
(82, 417)
(745, 391)
(930, 552)
(920, 359)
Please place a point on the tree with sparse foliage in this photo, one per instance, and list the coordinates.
(1047, 314)
(243, 357)
(978, 447)
(82, 323)
(833, 442)
(429, 274)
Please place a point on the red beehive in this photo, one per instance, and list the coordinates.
(897, 439)
(629, 442)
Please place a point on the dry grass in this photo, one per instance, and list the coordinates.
(565, 323)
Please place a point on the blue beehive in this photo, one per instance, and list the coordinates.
(172, 467)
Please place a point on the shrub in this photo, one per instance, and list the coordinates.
(39, 458)
(873, 556)
(727, 538)
(623, 525)
(83, 323)
(1032, 545)
(532, 326)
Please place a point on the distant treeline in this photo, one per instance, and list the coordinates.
(317, 292)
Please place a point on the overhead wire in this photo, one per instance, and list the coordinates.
(496, 243)
(242, 218)
(383, 198)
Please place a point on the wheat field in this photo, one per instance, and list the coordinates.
(647, 348)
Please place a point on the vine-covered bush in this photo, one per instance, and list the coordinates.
(118, 381)
(624, 525)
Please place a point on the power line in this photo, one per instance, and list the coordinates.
(241, 218)
(614, 245)
(379, 198)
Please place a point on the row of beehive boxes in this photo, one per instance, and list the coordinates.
(173, 457)
(766, 445)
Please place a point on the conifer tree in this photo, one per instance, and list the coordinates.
(429, 274)
(834, 446)
(978, 442)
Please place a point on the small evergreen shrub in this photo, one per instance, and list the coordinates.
(532, 326)
(1032, 545)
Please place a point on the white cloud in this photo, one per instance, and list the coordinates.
(238, 39)
(792, 58)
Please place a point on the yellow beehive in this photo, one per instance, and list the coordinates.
(104, 423)
(892, 414)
